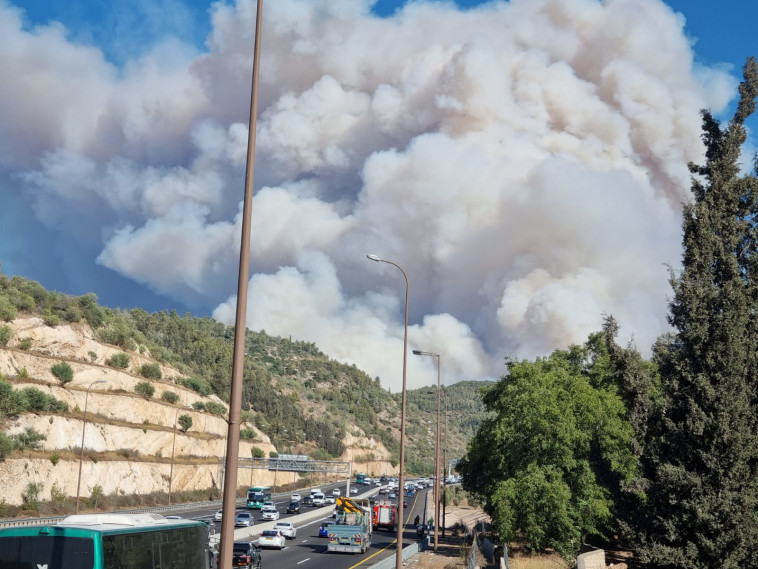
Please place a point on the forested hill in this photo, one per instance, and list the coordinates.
(302, 399)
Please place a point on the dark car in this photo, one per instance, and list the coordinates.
(307, 501)
(293, 508)
(246, 554)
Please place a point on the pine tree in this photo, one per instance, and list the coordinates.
(702, 493)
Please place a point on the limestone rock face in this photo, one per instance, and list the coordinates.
(137, 435)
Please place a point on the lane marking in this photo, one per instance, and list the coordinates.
(304, 560)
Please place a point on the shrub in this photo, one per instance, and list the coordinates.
(29, 439)
(185, 422)
(257, 452)
(51, 319)
(198, 406)
(96, 496)
(40, 401)
(127, 452)
(30, 496)
(198, 385)
(150, 371)
(55, 458)
(169, 396)
(7, 445)
(25, 343)
(23, 372)
(119, 361)
(63, 372)
(8, 312)
(5, 335)
(12, 401)
(273, 454)
(92, 355)
(145, 389)
(248, 435)
(215, 408)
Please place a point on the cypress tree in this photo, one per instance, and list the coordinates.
(702, 488)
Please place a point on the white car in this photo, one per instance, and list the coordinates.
(268, 505)
(295, 498)
(353, 490)
(217, 516)
(271, 538)
(286, 529)
(269, 513)
(336, 492)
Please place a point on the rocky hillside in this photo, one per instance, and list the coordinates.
(129, 437)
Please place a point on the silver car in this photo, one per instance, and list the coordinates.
(286, 529)
(244, 519)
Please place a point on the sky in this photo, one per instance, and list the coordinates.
(523, 161)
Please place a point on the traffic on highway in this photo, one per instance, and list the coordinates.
(306, 544)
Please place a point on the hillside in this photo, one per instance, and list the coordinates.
(295, 400)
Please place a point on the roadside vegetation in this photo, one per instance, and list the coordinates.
(594, 445)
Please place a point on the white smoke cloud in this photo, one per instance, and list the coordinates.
(524, 162)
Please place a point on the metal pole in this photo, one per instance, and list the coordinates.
(81, 450)
(401, 477)
(436, 448)
(444, 479)
(226, 542)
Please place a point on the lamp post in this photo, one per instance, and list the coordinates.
(436, 448)
(401, 477)
(173, 446)
(81, 451)
(444, 478)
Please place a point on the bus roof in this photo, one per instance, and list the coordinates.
(107, 522)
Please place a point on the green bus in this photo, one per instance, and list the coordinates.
(107, 541)
(256, 495)
(360, 478)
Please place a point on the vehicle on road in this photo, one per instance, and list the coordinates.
(293, 508)
(218, 515)
(318, 500)
(256, 496)
(246, 554)
(360, 478)
(271, 538)
(351, 533)
(288, 530)
(306, 501)
(244, 519)
(99, 541)
(353, 490)
(295, 498)
(384, 515)
(268, 504)
(336, 492)
(269, 514)
(323, 531)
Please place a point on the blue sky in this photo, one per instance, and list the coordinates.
(723, 32)
(557, 130)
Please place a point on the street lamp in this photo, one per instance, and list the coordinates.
(444, 478)
(401, 477)
(437, 446)
(81, 452)
(173, 446)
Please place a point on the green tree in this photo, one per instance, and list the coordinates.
(63, 371)
(150, 371)
(145, 389)
(169, 396)
(120, 360)
(5, 335)
(185, 423)
(555, 452)
(702, 472)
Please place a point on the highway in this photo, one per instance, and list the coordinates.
(308, 551)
